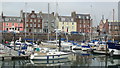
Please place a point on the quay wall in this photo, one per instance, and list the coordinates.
(41, 36)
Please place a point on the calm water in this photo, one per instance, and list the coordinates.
(79, 59)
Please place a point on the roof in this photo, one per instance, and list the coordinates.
(83, 16)
(114, 23)
(65, 18)
(12, 19)
(45, 17)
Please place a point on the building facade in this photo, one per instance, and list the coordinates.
(48, 26)
(38, 22)
(84, 22)
(114, 28)
(11, 23)
(67, 24)
(32, 22)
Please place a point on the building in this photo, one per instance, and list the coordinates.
(114, 30)
(66, 24)
(48, 25)
(38, 22)
(11, 23)
(104, 27)
(111, 29)
(84, 22)
(32, 22)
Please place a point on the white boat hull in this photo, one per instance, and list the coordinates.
(116, 52)
(49, 57)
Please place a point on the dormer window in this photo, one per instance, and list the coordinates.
(87, 17)
(32, 16)
(79, 16)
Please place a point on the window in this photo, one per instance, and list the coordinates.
(12, 24)
(33, 16)
(34, 25)
(67, 23)
(34, 30)
(26, 20)
(7, 24)
(80, 25)
(84, 26)
(29, 30)
(18, 24)
(45, 24)
(72, 19)
(6, 19)
(115, 27)
(34, 20)
(30, 25)
(26, 25)
(63, 23)
(38, 25)
(62, 27)
(72, 23)
(18, 29)
(30, 20)
(84, 21)
(63, 19)
(79, 16)
(53, 24)
(72, 27)
(7, 29)
(87, 17)
(38, 20)
(40, 30)
(80, 30)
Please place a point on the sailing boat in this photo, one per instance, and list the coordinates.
(46, 53)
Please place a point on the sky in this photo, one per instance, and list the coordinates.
(59, 0)
(96, 9)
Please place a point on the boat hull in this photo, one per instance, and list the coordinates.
(49, 57)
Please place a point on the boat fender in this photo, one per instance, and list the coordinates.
(111, 53)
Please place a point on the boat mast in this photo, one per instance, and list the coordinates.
(56, 22)
(113, 22)
(48, 23)
(91, 25)
(25, 19)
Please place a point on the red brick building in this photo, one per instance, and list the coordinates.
(32, 22)
(104, 27)
(84, 22)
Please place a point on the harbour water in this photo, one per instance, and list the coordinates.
(77, 59)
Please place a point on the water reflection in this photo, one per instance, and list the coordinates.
(73, 60)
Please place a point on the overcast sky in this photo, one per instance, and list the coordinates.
(96, 9)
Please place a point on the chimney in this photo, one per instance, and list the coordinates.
(106, 20)
(52, 13)
(73, 14)
(2, 14)
(33, 11)
(40, 12)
